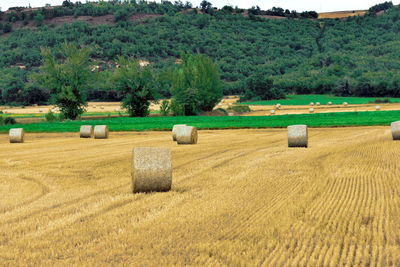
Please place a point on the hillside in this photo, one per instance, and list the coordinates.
(358, 56)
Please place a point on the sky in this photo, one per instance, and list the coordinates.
(304, 5)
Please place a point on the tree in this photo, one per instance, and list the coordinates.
(259, 86)
(67, 79)
(205, 6)
(196, 84)
(135, 83)
(38, 19)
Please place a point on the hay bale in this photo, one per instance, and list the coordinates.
(312, 104)
(378, 107)
(86, 131)
(329, 103)
(311, 110)
(16, 135)
(278, 106)
(40, 110)
(102, 107)
(94, 106)
(272, 112)
(298, 136)
(175, 130)
(220, 105)
(395, 130)
(230, 104)
(101, 132)
(222, 101)
(152, 170)
(186, 135)
(345, 104)
(317, 104)
(117, 110)
(230, 114)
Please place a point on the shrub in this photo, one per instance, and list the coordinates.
(50, 116)
(10, 120)
(380, 100)
(2, 121)
(240, 109)
(165, 107)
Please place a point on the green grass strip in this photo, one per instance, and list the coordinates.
(367, 118)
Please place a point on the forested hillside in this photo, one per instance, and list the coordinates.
(358, 56)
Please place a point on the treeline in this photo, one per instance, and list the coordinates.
(278, 11)
(380, 7)
(358, 56)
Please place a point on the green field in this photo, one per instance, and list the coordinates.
(222, 122)
(323, 99)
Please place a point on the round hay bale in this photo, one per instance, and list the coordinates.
(40, 110)
(152, 169)
(86, 131)
(16, 135)
(220, 105)
(186, 135)
(175, 130)
(94, 106)
(278, 106)
(298, 136)
(329, 103)
(117, 110)
(222, 101)
(272, 112)
(311, 110)
(317, 103)
(378, 107)
(102, 107)
(230, 104)
(230, 114)
(395, 130)
(312, 104)
(344, 103)
(101, 132)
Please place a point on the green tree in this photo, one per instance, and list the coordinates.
(196, 84)
(67, 79)
(135, 83)
(38, 19)
(260, 86)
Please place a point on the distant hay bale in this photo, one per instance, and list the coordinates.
(220, 105)
(311, 110)
(312, 104)
(16, 135)
(278, 106)
(329, 103)
(298, 136)
(230, 114)
(317, 104)
(40, 110)
(152, 170)
(186, 135)
(230, 104)
(344, 103)
(117, 110)
(222, 101)
(94, 106)
(86, 131)
(102, 107)
(378, 107)
(272, 112)
(101, 132)
(175, 130)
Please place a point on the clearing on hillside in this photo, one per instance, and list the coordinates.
(238, 197)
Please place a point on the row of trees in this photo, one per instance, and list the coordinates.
(195, 83)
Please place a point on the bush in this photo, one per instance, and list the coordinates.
(10, 120)
(381, 100)
(165, 107)
(50, 116)
(240, 109)
(2, 121)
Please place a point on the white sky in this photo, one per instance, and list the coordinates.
(317, 5)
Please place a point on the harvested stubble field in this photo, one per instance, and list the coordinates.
(239, 197)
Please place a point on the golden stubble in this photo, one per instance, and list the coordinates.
(238, 197)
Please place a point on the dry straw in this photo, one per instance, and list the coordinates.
(101, 132)
(298, 136)
(16, 135)
(186, 135)
(86, 131)
(395, 130)
(175, 130)
(151, 170)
